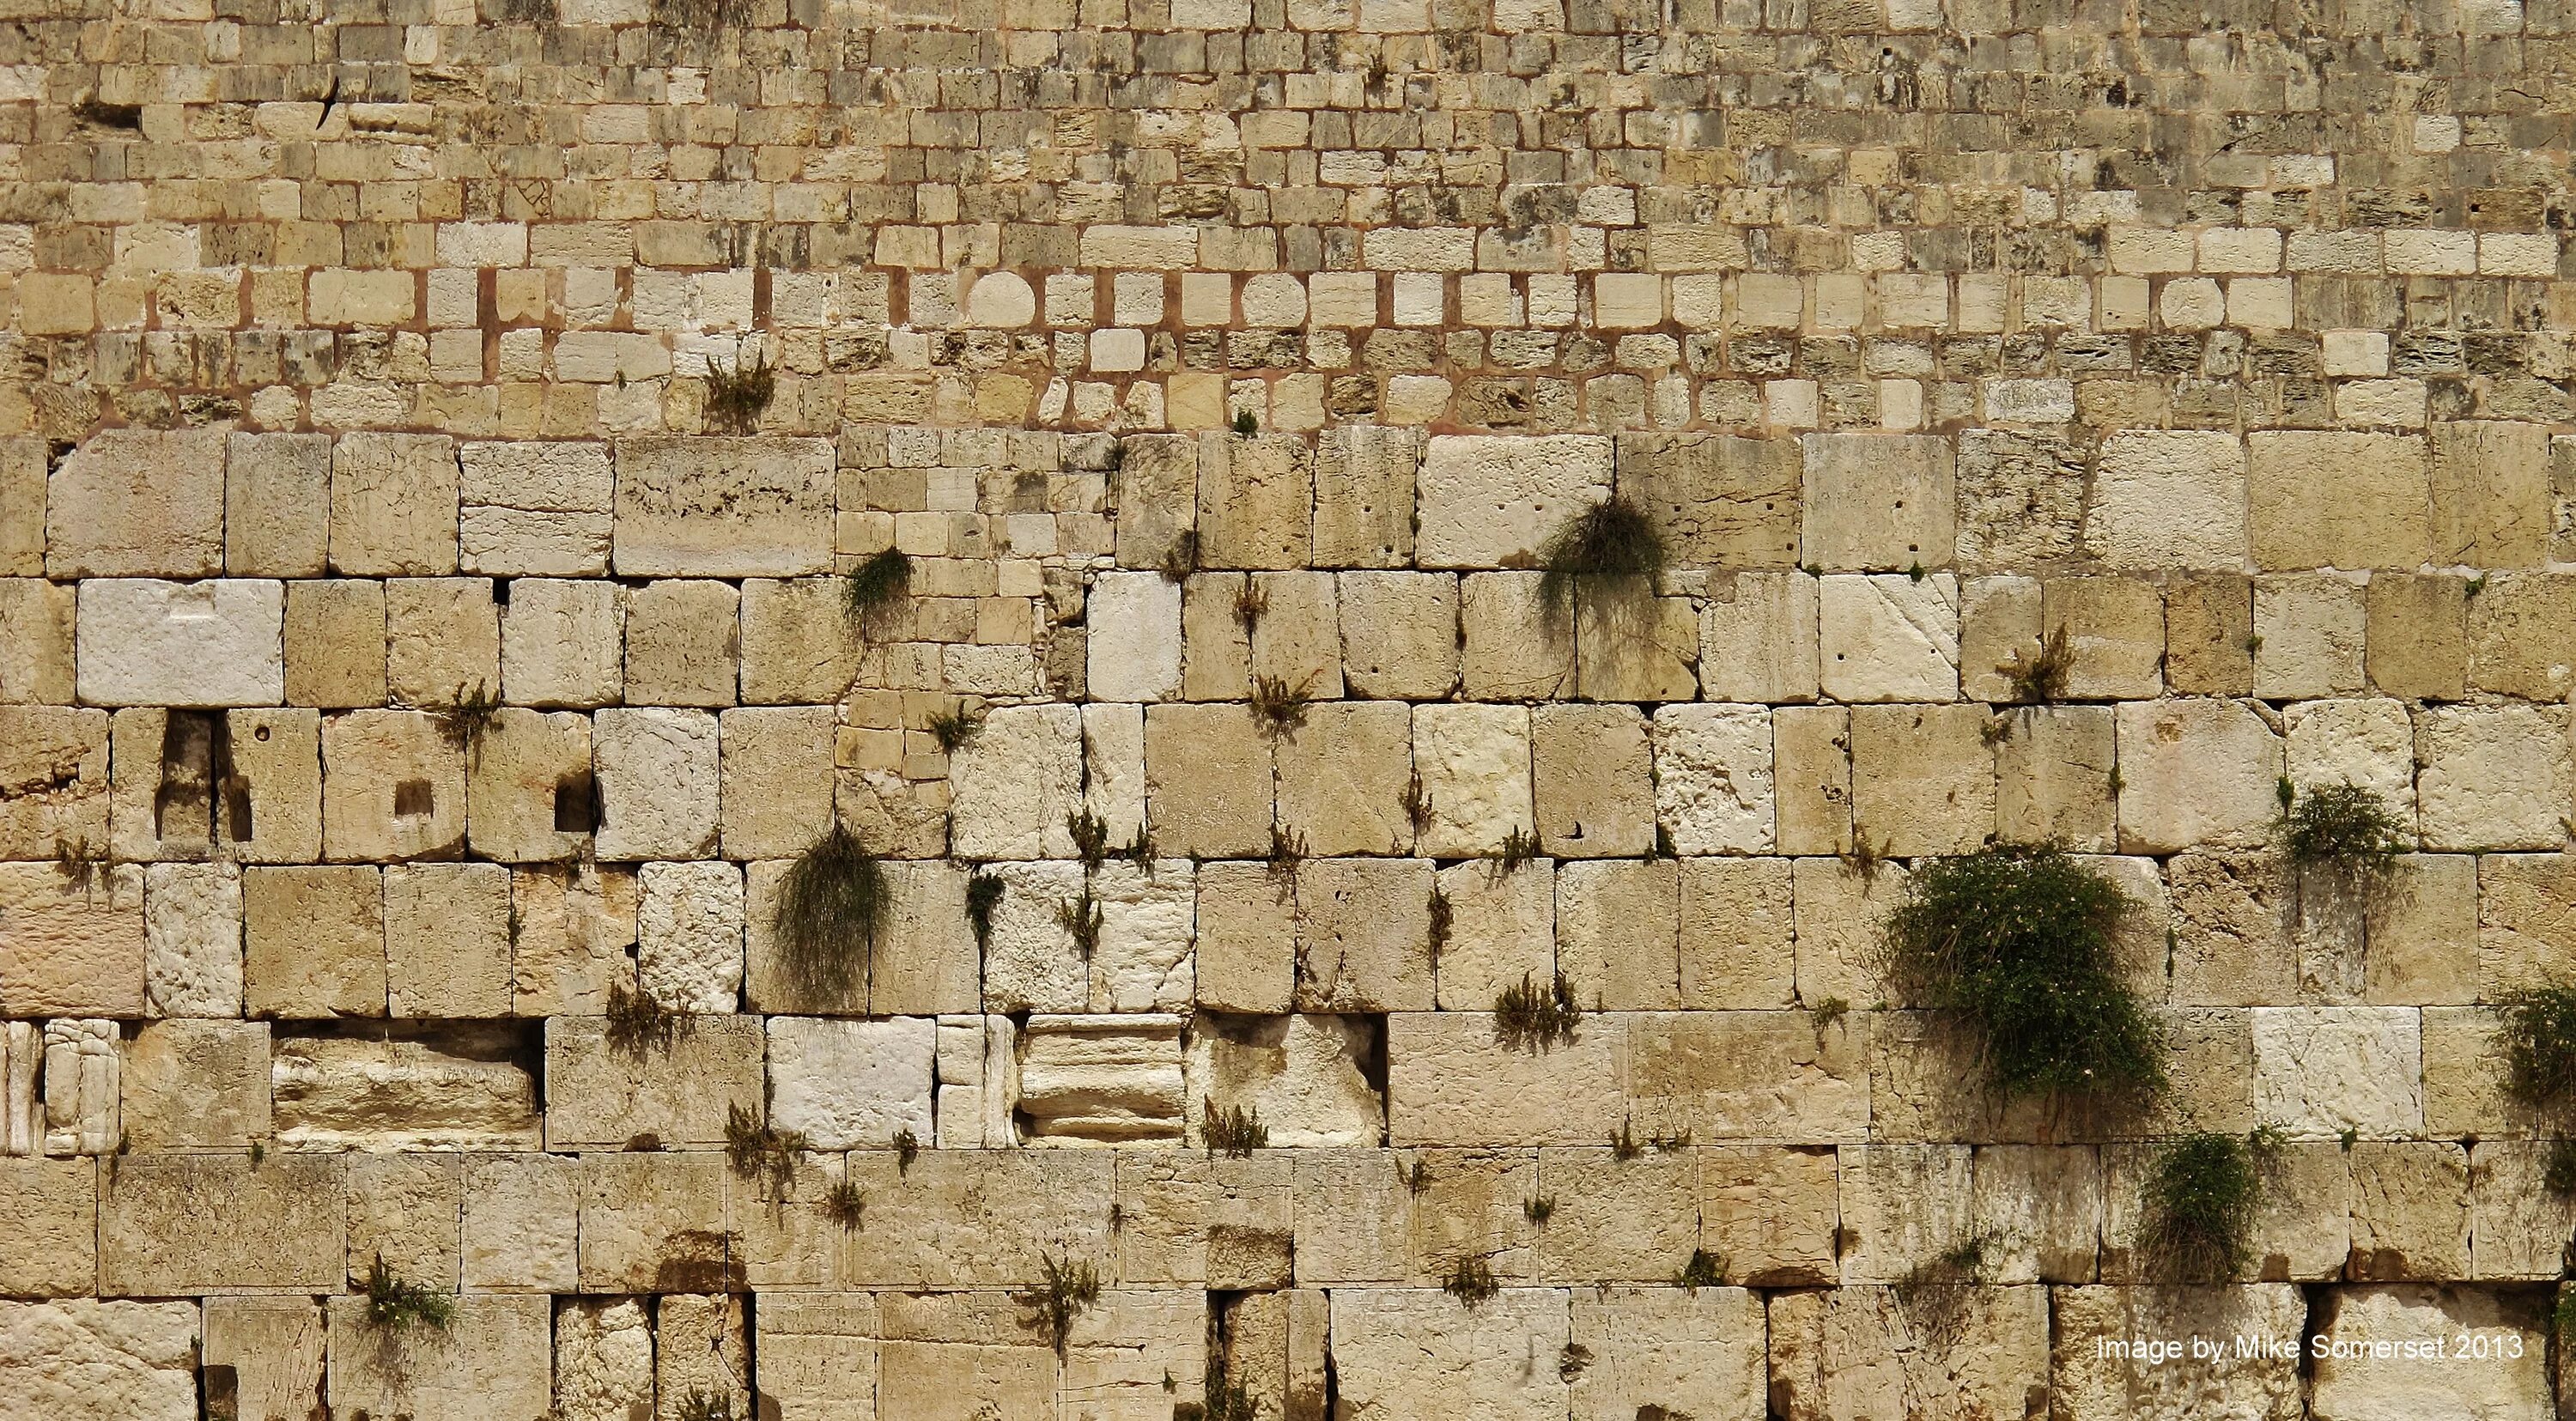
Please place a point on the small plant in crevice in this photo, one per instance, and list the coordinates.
(707, 1406)
(127, 117)
(2199, 1205)
(1823, 1015)
(2020, 944)
(2562, 1313)
(1417, 804)
(1090, 835)
(2537, 1038)
(1471, 1281)
(1234, 1133)
(80, 862)
(1140, 850)
(1416, 1177)
(1069, 1290)
(1519, 847)
(1529, 1016)
(875, 584)
(1669, 1144)
(830, 905)
(2345, 832)
(1246, 422)
(1865, 860)
(395, 1304)
(1961, 1261)
(638, 1024)
(1278, 706)
(1704, 1270)
(759, 1153)
(2042, 678)
(1250, 604)
(1443, 919)
(1181, 558)
(2559, 1174)
(1613, 538)
(1539, 1208)
(1623, 1143)
(1080, 918)
(1227, 1399)
(1287, 850)
(907, 1148)
(1571, 1360)
(845, 1205)
(737, 395)
(952, 728)
(983, 895)
(464, 721)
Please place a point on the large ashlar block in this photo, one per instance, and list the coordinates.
(2518, 1225)
(1591, 780)
(1361, 936)
(2507, 1373)
(1143, 959)
(797, 642)
(521, 1216)
(55, 1204)
(535, 507)
(1757, 637)
(1734, 919)
(1889, 637)
(442, 640)
(1502, 931)
(1216, 647)
(1364, 479)
(1474, 761)
(2164, 499)
(603, 1360)
(493, 1361)
(2521, 635)
(659, 776)
(137, 503)
(195, 1084)
(851, 1084)
(72, 943)
(1342, 772)
(54, 781)
(1296, 632)
(1493, 500)
(264, 1357)
(776, 769)
(1721, 500)
(655, 1221)
(1208, 780)
(699, 1346)
(1305, 1076)
(1923, 778)
(1713, 778)
(277, 504)
(192, 935)
(1517, 647)
(715, 506)
(1695, 1353)
(2093, 1381)
(2491, 496)
(2194, 773)
(1102, 1080)
(599, 1095)
(2021, 496)
(447, 940)
(2234, 915)
(173, 1224)
(1618, 931)
(1772, 1213)
(1903, 1205)
(38, 623)
(1256, 501)
(2308, 633)
(393, 786)
(683, 643)
(404, 1207)
(1017, 785)
(2302, 1228)
(528, 786)
(2417, 643)
(576, 930)
(689, 935)
(1878, 502)
(969, 1218)
(1841, 915)
(2053, 777)
(80, 1360)
(1157, 497)
(393, 505)
(560, 643)
(2335, 499)
(2370, 743)
(1031, 962)
(819, 1356)
(1747, 1075)
(2410, 1210)
(213, 643)
(2493, 777)
(2042, 1205)
(453, 1086)
(2321, 1070)
(1412, 1353)
(1399, 634)
(1450, 1082)
(1867, 1351)
(1618, 1220)
(1133, 639)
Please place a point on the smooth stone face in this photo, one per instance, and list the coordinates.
(217, 643)
(850, 1084)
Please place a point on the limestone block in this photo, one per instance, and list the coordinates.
(2490, 485)
(1113, 766)
(1841, 921)
(1923, 778)
(2519, 639)
(23, 464)
(520, 1215)
(393, 786)
(1414, 1353)
(492, 1362)
(187, 1223)
(1364, 478)
(1494, 500)
(454, 1086)
(576, 931)
(1903, 1206)
(851, 1084)
(2425, 942)
(1734, 917)
(277, 504)
(195, 1084)
(2410, 1210)
(1450, 1082)
(1720, 500)
(599, 1096)
(1630, 646)
(2053, 771)
(689, 936)
(1017, 785)
(1502, 929)
(1617, 1219)
(1870, 1351)
(2418, 636)
(277, 766)
(1474, 761)
(55, 1206)
(263, 1356)
(776, 772)
(603, 1360)
(560, 643)
(138, 503)
(1275, 1347)
(2492, 777)
(528, 786)
(1889, 638)
(2506, 1375)
(2209, 634)
(2335, 499)
(82, 1088)
(1356, 1217)
(1772, 1213)
(214, 643)
(1362, 935)
(442, 639)
(2233, 916)
(1296, 635)
(819, 1355)
(1031, 961)
(1134, 641)
(1399, 633)
(2302, 1225)
(335, 643)
(2114, 631)
(393, 505)
(2020, 496)
(1342, 773)
(1590, 780)
(38, 621)
(2040, 1207)
(1618, 931)
(81, 1360)
(683, 643)
(2164, 499)
(2321, 1070)
(1878, 502)
(72, 942)
(517, 542)
(535, 507)
(2363, 742)
(2518, 1226)
(1216, 643)
(1208, 780)
(717, 506)
(798, 642)
(658, 780)
(978, 1218)
(2196, 772)
(656, 1222)
(1256, 499)
(1101, 1080)
(447, 939)
(1516, 648)
(1301, 1075)
(1158, 481)
(1757, 637)
(22, 1114)
(2308, 631)
(1143, 961)
(405, 1208)
(2091, 1380)
(698, 1347)
(163, 801)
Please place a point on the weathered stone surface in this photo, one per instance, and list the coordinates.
(38, 624)
(1451, 1083)
(600, 1095)
(603, 1360)
(850, 1084)
(710, 506)
(1722, 501)
(1875, 502)
(2410, 1210)
(1017, 785)
(1342, 773)
(192, 932)
(2196, 773)
(1923, 778)
(2331, 499)
(460, 1088)
(492, 1360)
(72, 940)
(2493, 777)
(138, 503)
(2091, 1379)
(1256, 501)
(1399, 633)
(264, 1357)
(659, 776)
(1407, 1352)
(1713, 778)
(2503, 1375)
(520, 1221)
(683, 643)
(1302, 1075)
(214, 643)
(1757, 637)
(2321, 1070)
(689, 936)
(1475, 768)
(1889, 637)
(393, 505)
(1859, 1351)
(1492, 501)
(196, 1084)
(1101, 1080)
(99, 1361)
(179, 1224)
(2169, 498)
(56, 1205)
(1134, 637)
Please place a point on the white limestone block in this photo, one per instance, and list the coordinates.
(850, 1084)
(214, 643)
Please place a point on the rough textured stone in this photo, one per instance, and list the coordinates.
(1492, 501)
(723, 507)
(216, 643)
(93, 1361)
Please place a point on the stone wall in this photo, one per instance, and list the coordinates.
(412, 649)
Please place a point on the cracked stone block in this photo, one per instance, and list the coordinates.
(1878, 501)
(1017, 784)
(458, 1086)
(22, 1061)
(1101, 1080)
(2324, 498)
(1713, 786)
(179, 1224)
(2196, 773)
(603, 1360)
(1256, 501)
(213, 643)
(1304, 1076)
(2321, 1070)
(192, 940)
(264, 1357)
(393, 505)
(447, 940)
(1889, 637)
(79, 1360)
(2169, 498)
(1414, 1353)
(1772, 1213)
(598, 1094)
(1688, 1353)
(196, 1085)
(2493, 777)
(683, 643)
(1721, 500)
(689, 936)
(2506, 1375)
(2410, 1211)
(561, 643)
(72, 940)
(528, 786)
(492, 1362)
(1516, 647)
(716, 506)
(1493, 500)
(698, 1348)
(535, 507)
(137, 503)
(1757, 637)
(1450, 1083)
(54, 781)
(851, 1084)
(1861, 1351)
(1737, 1075)
(1144, 960)
(659, 775)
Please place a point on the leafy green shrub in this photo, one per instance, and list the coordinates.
(2345, 830)
(2043, 677)
(1530, 1017)
(2539, 1045)
(1704, 1270)
(954, 727)
(2019, 942)
(394, 1304)
(1612, 538)
(830, 904)
(876, 584)
(2200, 1203)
